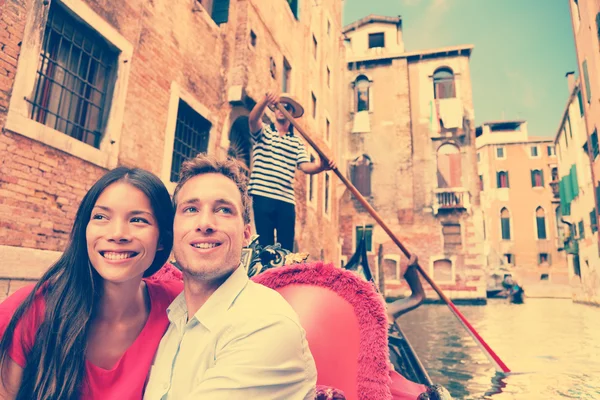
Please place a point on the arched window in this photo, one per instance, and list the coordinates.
(360, 174)
(449, 172)
(239, 140)
(502, 179)
(540, 220)
(537, 178)
(361, 93)
(443, 84)
(505, 223)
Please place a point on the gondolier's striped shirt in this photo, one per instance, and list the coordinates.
(275, 159)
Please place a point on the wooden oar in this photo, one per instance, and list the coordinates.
(493, 357)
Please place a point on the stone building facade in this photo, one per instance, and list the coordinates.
(410, 150)
(586, 32)
(88, 85)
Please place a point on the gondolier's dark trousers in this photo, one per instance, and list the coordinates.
(271, 215)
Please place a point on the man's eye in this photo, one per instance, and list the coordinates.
(225, 210)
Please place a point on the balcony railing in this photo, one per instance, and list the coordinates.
(449, 199)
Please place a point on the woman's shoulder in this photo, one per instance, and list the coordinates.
(13, 301)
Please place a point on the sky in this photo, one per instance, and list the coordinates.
(523, 49)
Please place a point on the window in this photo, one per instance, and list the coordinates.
(543, 259)
(509, 259)
(217, 9)
(534, 151)
(580, 101)
(554, 174)
(442, 271)
(443, 84)
(505, 223)
(294, 7)
(327, 129)
(576, 265)
(586, 78)
(74, 79)
(593, 221)
(328, 27)
(191, 137)
(481, 182)
(315, 47)
(551, 151)
(478, 157)
(328, 77)
(540, 220)
(537, 178)
(314, 105)
(287, 76)
(311, 183)
(327, 199)
(391, 268)
(544, 277)
(361, 88)
(273, 68)
(252, 38)
(452, 236)
(360, 174)
(502, 179)
(500, 152)
(376, 40)
(581, 229)
(367, 231)
(449, 166)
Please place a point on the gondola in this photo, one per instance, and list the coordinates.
(358, 345)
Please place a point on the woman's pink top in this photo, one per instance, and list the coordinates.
(127, 378)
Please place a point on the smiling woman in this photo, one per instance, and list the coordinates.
(93, 305)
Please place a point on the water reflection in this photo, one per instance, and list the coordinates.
(552, 347)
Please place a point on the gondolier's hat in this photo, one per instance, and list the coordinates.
(286, 98)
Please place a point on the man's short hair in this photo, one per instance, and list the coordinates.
(229, 167)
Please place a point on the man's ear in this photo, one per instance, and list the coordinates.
(247, 234)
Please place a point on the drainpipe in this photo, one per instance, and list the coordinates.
(587, 129)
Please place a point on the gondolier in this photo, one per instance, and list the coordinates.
(276, 153)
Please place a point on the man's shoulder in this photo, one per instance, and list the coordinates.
(260, 302)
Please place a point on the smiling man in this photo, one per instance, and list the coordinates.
(229, 338)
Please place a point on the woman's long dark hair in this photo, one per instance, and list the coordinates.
(71, 288)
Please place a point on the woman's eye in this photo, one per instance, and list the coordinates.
(98, 216)
(138, 219)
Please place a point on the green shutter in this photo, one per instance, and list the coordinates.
(574, 181)
(542, 176)
(532, 172)
(220, 11)
(586, 78)
(507, 181)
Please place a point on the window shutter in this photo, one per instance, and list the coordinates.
(220, 11)
(586, 77)
(532, 172)
(498, 180)
(574, 182)
(542, 176)
(507, 184)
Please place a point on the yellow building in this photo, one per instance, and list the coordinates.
(515, 175)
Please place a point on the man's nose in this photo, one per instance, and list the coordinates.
(205, 221)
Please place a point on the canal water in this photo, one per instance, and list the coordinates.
(552, 347)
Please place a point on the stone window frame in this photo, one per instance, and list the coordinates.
(178, 93)
(18, 118)
(441, 257)
(372, 251)
(371, 108)
(395, 258)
